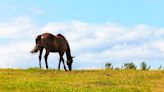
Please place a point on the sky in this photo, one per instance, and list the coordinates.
(98, 31)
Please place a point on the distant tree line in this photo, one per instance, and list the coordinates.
(131, 65)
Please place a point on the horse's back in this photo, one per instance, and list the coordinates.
(54, 43)
(51, 36)
(47, 36)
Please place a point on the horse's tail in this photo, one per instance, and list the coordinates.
(37, 41)
(68, 51)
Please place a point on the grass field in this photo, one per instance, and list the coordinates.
(36, 80)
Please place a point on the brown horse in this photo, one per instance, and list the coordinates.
(52, 43)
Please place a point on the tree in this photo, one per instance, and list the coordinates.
(160, 67)
(144, 66)
(108, 66)
(129, 66)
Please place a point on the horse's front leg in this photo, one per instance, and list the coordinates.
(63, 64)
(61, 59)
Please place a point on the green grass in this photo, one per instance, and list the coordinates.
(36, 80)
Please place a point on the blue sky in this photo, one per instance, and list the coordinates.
(122, 31)
(125, 12)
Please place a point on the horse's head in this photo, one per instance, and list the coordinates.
(69, 62)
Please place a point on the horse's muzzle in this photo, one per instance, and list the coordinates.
(70, 67)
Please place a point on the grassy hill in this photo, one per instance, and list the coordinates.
(36, 80)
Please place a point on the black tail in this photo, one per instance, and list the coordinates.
(38, 39)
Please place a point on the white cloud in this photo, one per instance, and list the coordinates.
(159, 45)
(92, 44)
(18, 27)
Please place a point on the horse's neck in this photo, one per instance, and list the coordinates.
(68, 52)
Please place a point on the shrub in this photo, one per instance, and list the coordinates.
(160, 67)
(129, 66)
(108, 66)
(144, 66)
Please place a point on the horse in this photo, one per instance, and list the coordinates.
(54, 44)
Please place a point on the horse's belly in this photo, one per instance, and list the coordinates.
(54, 50)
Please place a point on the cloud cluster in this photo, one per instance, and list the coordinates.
(92, 44)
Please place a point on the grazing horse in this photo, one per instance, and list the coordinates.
(52, 43)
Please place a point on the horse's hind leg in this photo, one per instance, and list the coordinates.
(40, 57)
(46, 57)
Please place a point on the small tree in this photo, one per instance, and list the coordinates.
(108, 66)
(160, 67)
(130, 66)
(144, 66)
